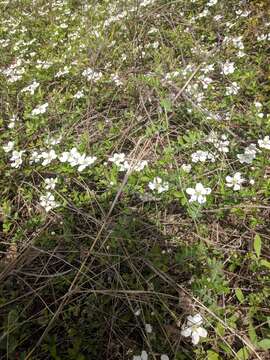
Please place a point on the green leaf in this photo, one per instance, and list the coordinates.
(239, 294)
(212, 355)
(220, 329)
(264, 344)
(166, 104)
(252, 333)
(265, 263)
(242, 354)
(257, 244)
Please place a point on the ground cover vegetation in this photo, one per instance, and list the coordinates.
(135, 179)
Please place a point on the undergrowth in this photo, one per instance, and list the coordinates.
(135, 179)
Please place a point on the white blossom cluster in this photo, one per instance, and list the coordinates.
(202, 156)
(14, 72)
(220, 143)
(74, 158)
(92, 75)
(121, 161)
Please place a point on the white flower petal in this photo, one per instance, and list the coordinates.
(195, 338)
(186, 332)
(190, 191)
(202, 332)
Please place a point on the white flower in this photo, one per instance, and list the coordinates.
(140, 165)
(50, 183)
(125, 166)
(12, 122)
(208, 68)
(249, 154)
(43, 64)
(252, 181)
(143, 356)
(8, 147)
(186, 168)
(222, 144)
(262, 37)
(194, 328)
(53, 140)
(228, 68)
(257, 105)
(235, 181)
(233, 89)
(62, 72)
(117, 159)
(206, 81)
(137, 312)
(90, 74)
(85, 161)
(217, 17)
(264, 143)
(31, 88)
(198, 193)
(116, 79)
(48, 157)
(147, 2)
(16, 158)
(41, 109)
(48, 201)
(164, 357)
(202, 156)
(148, 328)
(159, 185)
(120, 161)
(79, 95)
(212, 2)
(74, 158)
(35, 157)
(65, 156)
(240, 54)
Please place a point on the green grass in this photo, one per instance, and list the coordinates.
(114, 253)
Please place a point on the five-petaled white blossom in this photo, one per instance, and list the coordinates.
(48, 157)
(194, 329)
(198, 193)
(48, 202)
(228, 68)
(159, 185)
(264, 143)
(50, 183)
(249, 154)
(16, 158)
(235, 181)
(8, 147)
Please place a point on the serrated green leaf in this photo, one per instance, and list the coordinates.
(257, 244)
(239, 294)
